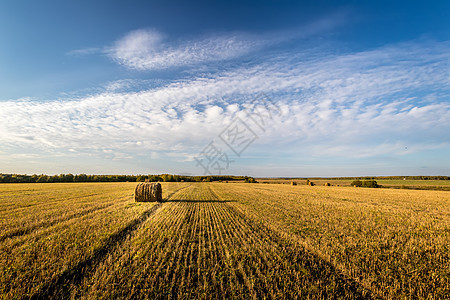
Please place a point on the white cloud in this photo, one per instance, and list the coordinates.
(150, 49)
(363, 104)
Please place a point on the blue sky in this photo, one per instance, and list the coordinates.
(261, 88)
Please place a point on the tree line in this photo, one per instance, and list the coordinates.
(414, 177)
(42, 178)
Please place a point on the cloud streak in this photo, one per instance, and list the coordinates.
(364, 104)
(149, 49)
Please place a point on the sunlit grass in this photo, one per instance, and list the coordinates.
(219, 240)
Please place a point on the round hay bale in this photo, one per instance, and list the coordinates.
(293, 183)
(327, 184)
(148, 192)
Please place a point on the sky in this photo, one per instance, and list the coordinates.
(258, 88)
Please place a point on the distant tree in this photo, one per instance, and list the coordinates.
(370, 184)
(365, 183)
(250, 180)
(167, 178)
(42, 178)
(68, 178)
(357, 183)
(80, 178)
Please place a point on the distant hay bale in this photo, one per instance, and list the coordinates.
(293, 183)
(327, 184)
(148, 192)
(311, 183)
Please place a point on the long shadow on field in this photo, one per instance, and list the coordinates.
(334, 284)
(201, 201)
(30, 229)
(315, 268)
(60, 287)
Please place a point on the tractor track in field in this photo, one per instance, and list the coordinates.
(250, 260)
(205, 245)
(262, 237)
(30, 229)
(47, 224)
(222, 241)
(50, 202)
(60, 287)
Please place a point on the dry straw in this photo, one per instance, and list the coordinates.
(148, 192)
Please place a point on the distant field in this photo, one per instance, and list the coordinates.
(387, 182)
(418, 184)
(219, 240)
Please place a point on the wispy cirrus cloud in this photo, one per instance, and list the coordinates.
(85, 51)
(362, 104)
(150, 49)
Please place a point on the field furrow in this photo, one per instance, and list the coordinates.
(198, 244)
(371, 236)
(30, 263)
(222, 241)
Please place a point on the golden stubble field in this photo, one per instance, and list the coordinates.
(223, 240)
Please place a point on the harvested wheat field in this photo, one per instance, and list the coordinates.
(217, 240)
